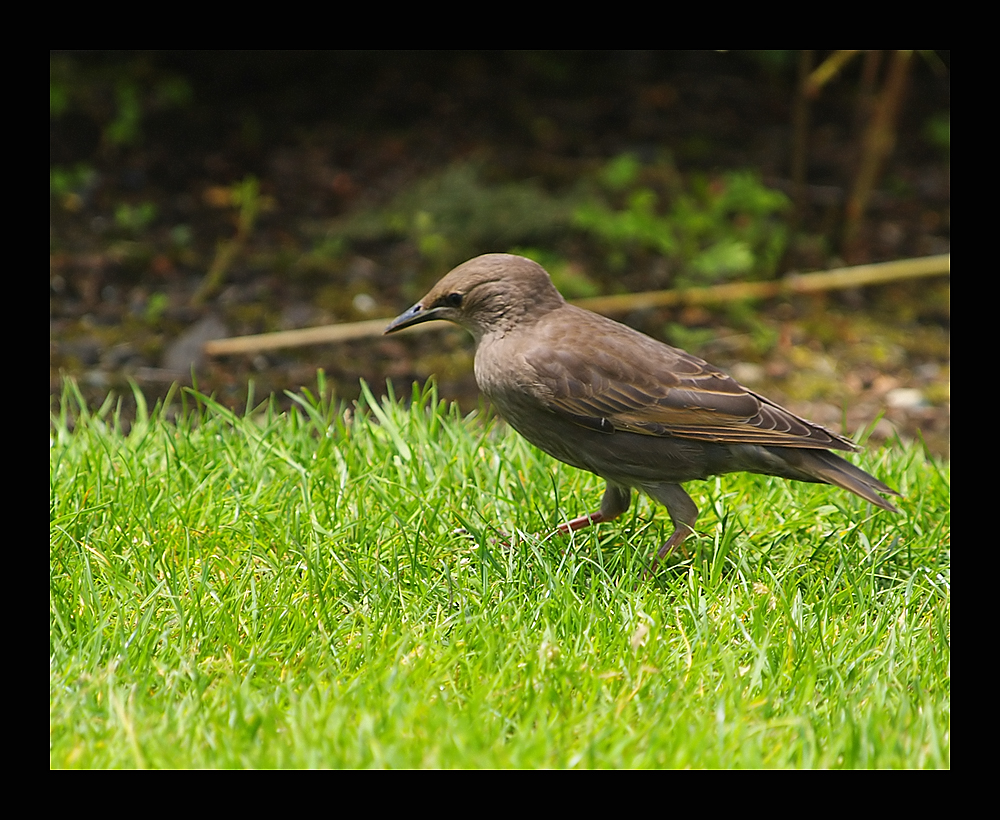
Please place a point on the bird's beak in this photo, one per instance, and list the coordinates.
(414, 316)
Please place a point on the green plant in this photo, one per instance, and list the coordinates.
(117, 96)
(155, 307)
(134, 219)
(245, 197)
(456, 214)
(937, 131)
(267, 589)
(712, 228)
(70, 186)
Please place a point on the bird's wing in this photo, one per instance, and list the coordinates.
(608, 377)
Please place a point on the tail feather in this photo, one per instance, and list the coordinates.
(832, 469)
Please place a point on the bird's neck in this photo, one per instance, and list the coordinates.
(505, 319)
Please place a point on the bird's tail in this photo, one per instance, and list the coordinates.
(827, 467)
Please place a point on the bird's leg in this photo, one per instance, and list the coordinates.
(615, 502)
(677, 539)
(683, 513)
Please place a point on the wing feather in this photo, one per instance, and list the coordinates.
(608, 377)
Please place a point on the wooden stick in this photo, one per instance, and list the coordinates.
(857, 276)
(877, 145)
(835, 279)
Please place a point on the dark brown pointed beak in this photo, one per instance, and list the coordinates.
(414, 316)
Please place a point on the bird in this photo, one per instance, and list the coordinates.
(603, 397)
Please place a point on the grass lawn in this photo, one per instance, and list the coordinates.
(289, 590)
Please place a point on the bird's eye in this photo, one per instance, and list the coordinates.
(453, 300)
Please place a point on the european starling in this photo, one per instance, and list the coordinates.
(605, 398)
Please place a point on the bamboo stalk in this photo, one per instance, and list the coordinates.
(857, 276)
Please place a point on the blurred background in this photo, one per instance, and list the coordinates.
(202, 195)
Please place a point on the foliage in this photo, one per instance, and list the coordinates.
(245, 197)
(707, 228)
(937, 131)
(134, 219)
(71, 186)
(456, 214)
(713, 228)
(271, 589)
(115, 96)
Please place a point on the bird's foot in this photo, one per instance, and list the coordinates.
(675, 541)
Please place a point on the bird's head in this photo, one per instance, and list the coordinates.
(489, 294)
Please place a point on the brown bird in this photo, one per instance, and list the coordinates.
(605, 398)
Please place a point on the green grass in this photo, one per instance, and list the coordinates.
(289, 590)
